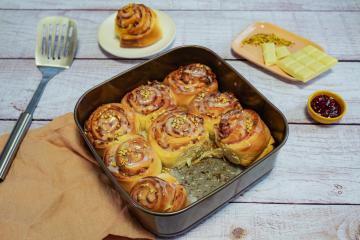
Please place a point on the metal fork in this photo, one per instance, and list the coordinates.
(56, 43)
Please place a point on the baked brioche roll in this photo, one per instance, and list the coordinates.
(107, 124)
(243, 136)
(211, 105)
(137, 25)
(178, 137)
(160, 194)
(130, 159)
(148, 102)
(188, 81)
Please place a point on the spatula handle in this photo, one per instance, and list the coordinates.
(12, 145)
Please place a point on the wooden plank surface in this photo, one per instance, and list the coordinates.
(21, 77)
(280, 222)
(331, 176)
(312, 193)
(318, 164)
(285, 5)
(336, 32)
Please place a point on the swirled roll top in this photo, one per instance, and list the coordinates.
(149, 101)
(188, 81)
(180, 121)
(160, 194)
(107, 124)
(177, 133)
(130, 159)
(243, 136)
(137, 26)
(211, 105)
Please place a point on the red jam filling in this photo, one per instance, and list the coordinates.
(326, 106)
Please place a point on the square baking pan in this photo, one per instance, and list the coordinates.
(112, 90)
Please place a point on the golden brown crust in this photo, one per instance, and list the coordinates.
(149, 101)
(174, 132)
(130, 159)
(136, 25)
(175, 129)
(188, 81)
(243, 136)
(107, 124)
(160, 194)
(175, 135)
(211, 105)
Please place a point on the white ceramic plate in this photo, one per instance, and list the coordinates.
(110, 43)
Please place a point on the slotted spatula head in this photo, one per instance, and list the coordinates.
(56, 42)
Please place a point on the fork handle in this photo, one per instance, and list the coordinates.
(17, 135)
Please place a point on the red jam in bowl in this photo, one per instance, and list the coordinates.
(326, 106)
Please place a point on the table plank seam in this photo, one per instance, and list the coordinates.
(299, 203)
(315, 123)
(183, 10)
(146, 59)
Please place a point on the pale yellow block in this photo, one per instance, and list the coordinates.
(306, 63)
(298, 71)
(269, 54)
(299, 55)
(310, 62)
(285, 64)
(296, 67)
(322, 55)
(310, 49)
(287, 61)
(328, 61)
(282, 52)
(317, 67)
(291, 69)
(316, 56)
(306, 60)
(305, 74)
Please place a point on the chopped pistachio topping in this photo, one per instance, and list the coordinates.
(248, 124)
(145, 93)
(202, 95)
(178, 121)
(222, 99)
(195, 120)
(122, 152)
(107, 115)
(261, 38)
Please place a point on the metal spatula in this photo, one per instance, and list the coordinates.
(56, 44)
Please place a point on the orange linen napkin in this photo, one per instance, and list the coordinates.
(54, 190)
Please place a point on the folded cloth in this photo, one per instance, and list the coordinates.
(54, 190)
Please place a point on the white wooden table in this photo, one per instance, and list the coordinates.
(313, 191)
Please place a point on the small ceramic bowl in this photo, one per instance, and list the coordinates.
(326, 120)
